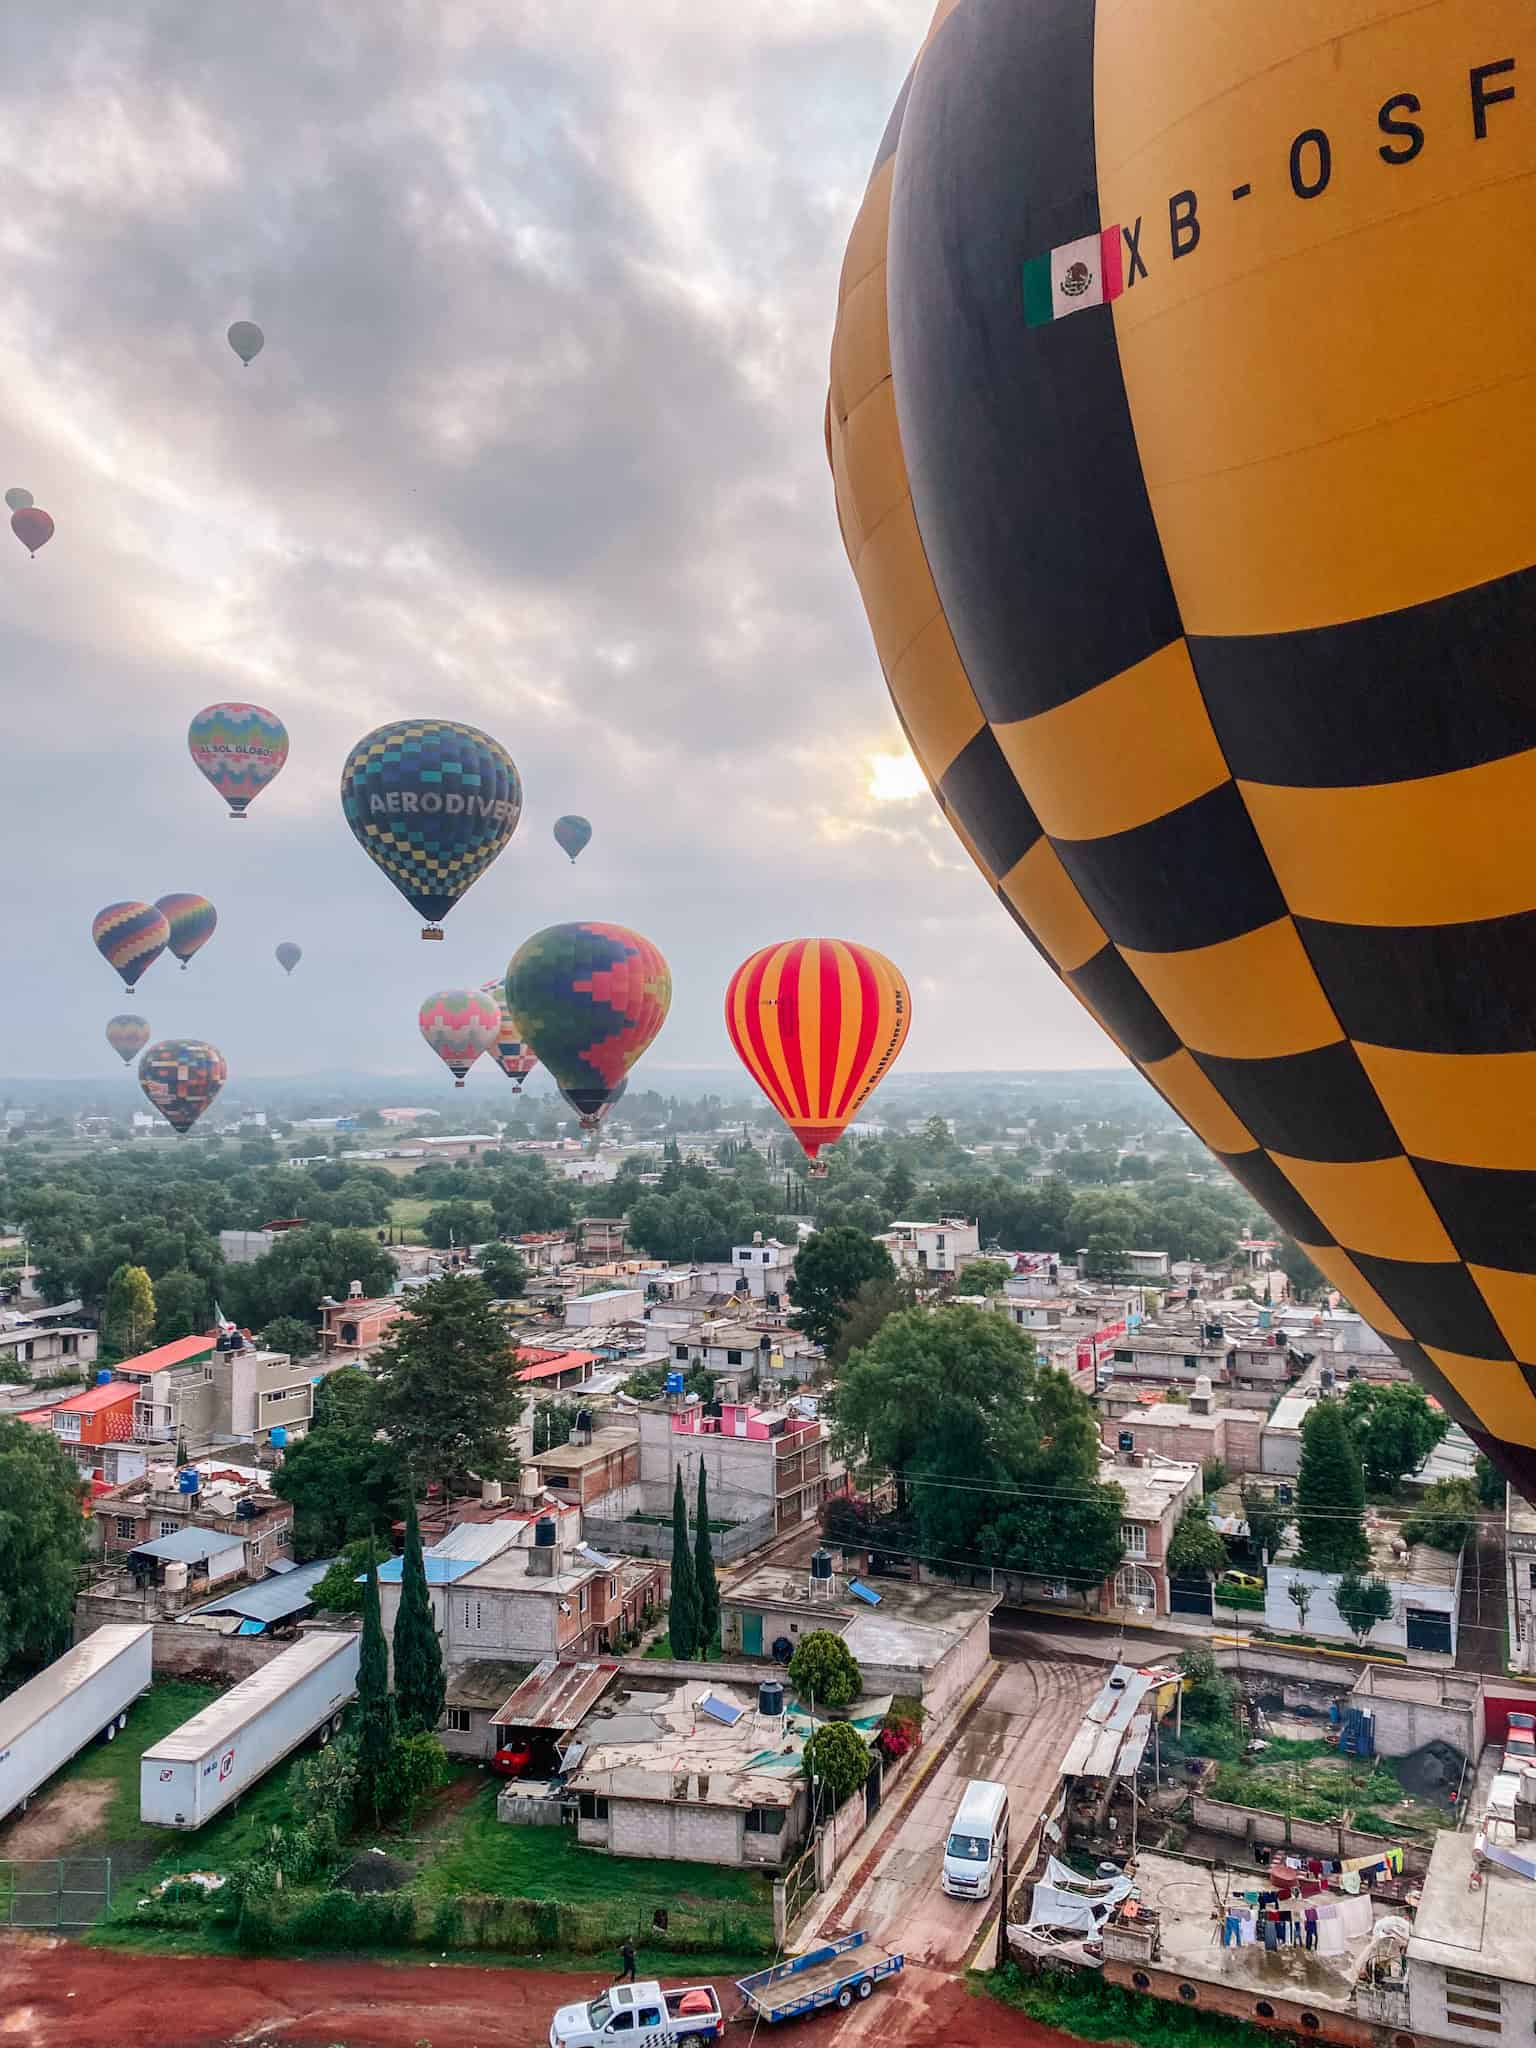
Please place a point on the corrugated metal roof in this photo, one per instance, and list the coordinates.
(178, 1352)
(441, 1571)
(273, 1599)
(556, 1695)
(188, 1546)
(470, 1544)
(227, 1716)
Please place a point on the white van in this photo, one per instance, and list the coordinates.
(973, 1854)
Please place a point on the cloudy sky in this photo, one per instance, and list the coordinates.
(536, 442)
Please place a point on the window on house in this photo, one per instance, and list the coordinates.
(591, 1807)
(168, 1528)
(1473, 2002)
(472, 1614)
(71, 1346)
(458, 1720)
(282, 1539)
(1190, 1360)
(733, 1358)
(765, 1820)
(581, 1600)
(613, 1589)
(679, 1350)
(1124, 1358)
(745, 1258)
(1134, 1536)
(125, 1526)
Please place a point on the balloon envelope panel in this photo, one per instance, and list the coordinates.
(572, 834)
(1183, 457)
(181, 1077)
(588, 999)
(432, 804)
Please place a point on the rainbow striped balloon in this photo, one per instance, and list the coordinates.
(514, 1058)
(459, 1024)
(127, 1035)
(192, 920)
(130, 937)
(817, 1023)
(240, 748)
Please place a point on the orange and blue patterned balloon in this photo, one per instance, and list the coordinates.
(572, 834)
(181, 1076)
(127, 1035)
(459, 1024)
(431, 803)
(817, 1023)
(511, 1055)
(588, 999)
(240, 748)
(192, 920)
(130, 937)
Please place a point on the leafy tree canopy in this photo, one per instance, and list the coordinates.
(823, 1670)
(1195, 1546)
(1395, 1429)
(42, 1542)
(1446, 1516)
(1330, 1492)
(830, 1268)
(837, 1763)
(447, 1397)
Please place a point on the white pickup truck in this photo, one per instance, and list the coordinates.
(640, 2016)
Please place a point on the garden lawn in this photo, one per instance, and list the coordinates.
(473, 1852)
(1311, 1781)
(162, 1710)
(662, 1647)
(409, 1212)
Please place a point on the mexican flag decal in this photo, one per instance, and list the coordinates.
(1067, 280)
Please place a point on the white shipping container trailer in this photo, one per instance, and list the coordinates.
(229, 1747)
(85, 1693)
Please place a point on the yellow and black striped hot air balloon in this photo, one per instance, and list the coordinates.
(817, 1023)
(1183, 427)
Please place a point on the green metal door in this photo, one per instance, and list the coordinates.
(752, 1635)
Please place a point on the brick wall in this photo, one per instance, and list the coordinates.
(1309, 1837)
(1285, 2015)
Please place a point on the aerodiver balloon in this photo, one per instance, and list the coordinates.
(1181, 431)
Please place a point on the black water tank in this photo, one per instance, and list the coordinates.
(544, 1532)
(770, 1698)
(821, 1564)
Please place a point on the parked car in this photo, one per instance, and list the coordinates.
(1243, 1581)
(1520, 1742)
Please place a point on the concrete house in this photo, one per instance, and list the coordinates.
(762, 1463)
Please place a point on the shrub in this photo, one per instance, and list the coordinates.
(824, 1670)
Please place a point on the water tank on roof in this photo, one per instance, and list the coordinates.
(821, 1564)
(246, 1510)
(279, 1438)
(175, 1576)
(674, 1383)
(189, 1480)
(770, 1697)
(544, 1532)
(584, 1424)
(104, 1377)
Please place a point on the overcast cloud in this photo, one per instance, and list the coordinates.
(535, 441)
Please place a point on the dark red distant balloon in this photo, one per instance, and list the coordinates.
(32, 527)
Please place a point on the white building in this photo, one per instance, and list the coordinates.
(767, 1265)
(1471, 1961)
(1426, 1595)
(611, 1305)
(932, 1248)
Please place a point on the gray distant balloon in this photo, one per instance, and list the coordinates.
(247, 340)
(18, 499)
(289, 955)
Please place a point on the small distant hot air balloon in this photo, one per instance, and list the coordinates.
(288, 955)
(511, 1055)
(18, 499)
(817, 1023)
(588, 999)
(459, 1024)
(130, 937)
(239, 748)
(32, 527)
(432, 804)
(181, 1076)
(247, 341)
(127, 1035)
(192, 920)
(572, 834)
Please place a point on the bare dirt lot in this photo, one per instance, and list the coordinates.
(66, 1814)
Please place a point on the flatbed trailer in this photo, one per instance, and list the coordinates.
(835, 1974)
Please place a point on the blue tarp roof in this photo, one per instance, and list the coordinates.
(270, 1599)
(441, 1571)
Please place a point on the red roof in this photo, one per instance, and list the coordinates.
(111, 1395)
(540, 1363)
(40, 1418)
(178, 1352)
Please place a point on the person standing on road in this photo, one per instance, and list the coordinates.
(627, 1958)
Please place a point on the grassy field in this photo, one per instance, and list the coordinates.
(409, 1212)
(475, 1852)
(1311, 1781)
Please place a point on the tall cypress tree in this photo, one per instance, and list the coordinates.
(683, 1608)
(706, 1589)
(377, 1728)
(420, 1687)
(1330, 1493)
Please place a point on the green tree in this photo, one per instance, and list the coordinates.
(899, 1188)
(836, 1762)
(830, 1268)
(420, 1687)
(1489, 1481)
(1362, 1603)
(128, 1317)
(1266, 1522)
(1299, 1593)
(344, 1480)
(683, 1604)
(340, 1589)
(1395, 1429)
(1307, 1283)
(183, 1305)
(1195, 1546)
(302, 1268)
(458, 1224)
(447, 1396)
(41, 1544)
(377, 1726)
(823, 1671)
(936, 1136)
(1330, 1492)
(1446, 1516)
(706, 1589)
(984, 1276)
(865, 1314)
(290, 1335)
(503, 1270)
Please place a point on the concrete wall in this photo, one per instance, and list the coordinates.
(1428, 2013)
(1323, 1618)
(1406, 1724)
(941, 1686)
(1285, 2016)
(1316, 1838)
(616, 1537)
(502, 1623)
(179, 1652)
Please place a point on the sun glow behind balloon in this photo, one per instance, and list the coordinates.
(894, 779)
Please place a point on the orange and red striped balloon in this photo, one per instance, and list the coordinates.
(817, 1023)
